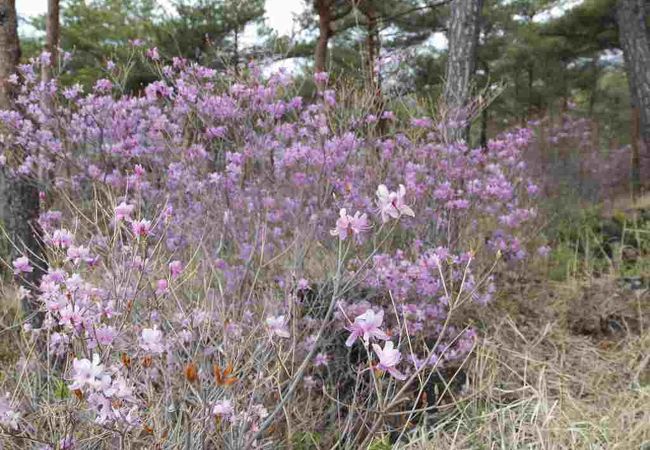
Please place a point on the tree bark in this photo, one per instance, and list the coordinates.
(635, 42)
(461, 62)
(21, 210)
(52, 37)
(372, 42)
(324, 10)
(9, 50)
(483, 139)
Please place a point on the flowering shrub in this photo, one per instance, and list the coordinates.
(205, 276)
(569, 156)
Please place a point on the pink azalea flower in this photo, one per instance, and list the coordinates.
(152, 53)
(342, 225)
(71, 316)
(321, 77)
(278, 326)
(359, 223)
(141, 228)
(223, 409)
(366, 326)
(161, 286)
(320, 360)
(105, 335)
(78, 254)
(544, 251)
(86, 372)
(348, 225)
(175, 268)
(123, 212)
(389, 357)
(61, 238)
(151, 340)
(22, 265)
(391, 204)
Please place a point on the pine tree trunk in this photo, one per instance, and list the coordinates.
(21, 209)
(52, 36)
(635, 42)
(323, 8)
(9, 49)
(463, 40)
(372, 43)
(9, 55)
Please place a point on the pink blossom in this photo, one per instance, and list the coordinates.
(139, 170)
(22, 265)
(223, 409)
(544, 251)
(320, 360)
(86, 372)
(161, 286)
(342, 225)
(151, 340)
(389, 357)
(175, 268)
(350, 225)
(71, 316)
(152, 53)
(123, 211)
(359, 223)
(141, 228)
(366, 326)
(278, 326)
(78, 254)
(391, 203)
(105, 335)
(310, 382)
(8, 414)
(321, 77)
(61, 238)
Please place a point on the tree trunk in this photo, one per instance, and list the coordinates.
(9, 49)
(372, 43)
(483, 139)
(20, 193)
(530, 73)
(461, 61)
(635, 42)
(323, 8)
(52, 36)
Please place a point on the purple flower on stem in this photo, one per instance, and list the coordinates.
(22, 265)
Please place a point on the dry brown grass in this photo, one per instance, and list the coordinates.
(563, 367)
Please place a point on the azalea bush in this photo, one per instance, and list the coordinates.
(571, 157)
(230, 265)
